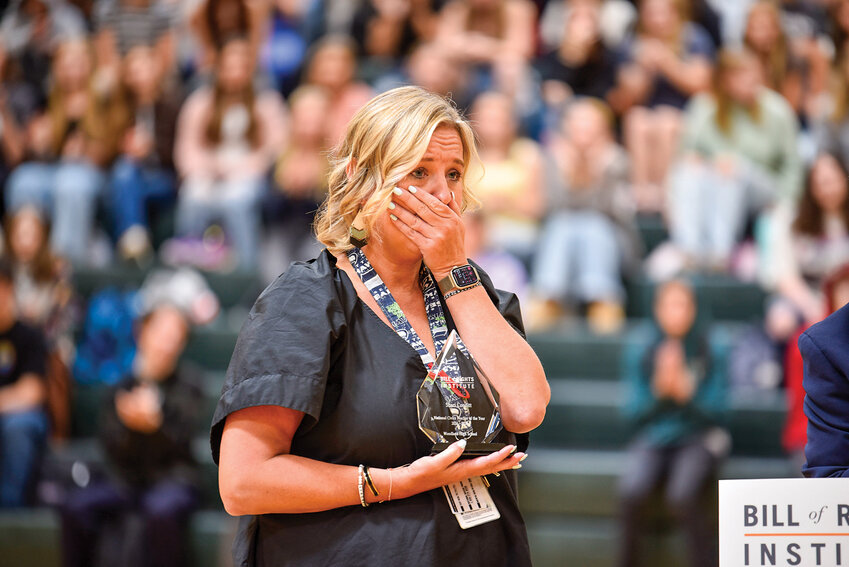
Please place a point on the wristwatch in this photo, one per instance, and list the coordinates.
(460, 278)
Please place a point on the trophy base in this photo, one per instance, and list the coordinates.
(472, 449)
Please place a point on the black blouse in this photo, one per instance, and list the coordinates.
(312, 345)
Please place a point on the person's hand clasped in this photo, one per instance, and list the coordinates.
(446, 467)
(436, 228)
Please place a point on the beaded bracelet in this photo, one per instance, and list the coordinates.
(456, 291)
(360, 477)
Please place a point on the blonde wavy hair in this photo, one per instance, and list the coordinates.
(384, 142)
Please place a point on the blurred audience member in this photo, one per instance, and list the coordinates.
(215, 22)
(387, 30)
(510, 186)
(830, 118)
(13, 114)
(300, 181)
(669, 59)
(125, 24)
(676, 400)
(582, 65)
(143, 176)
(228, 136)
(590, 232)
(31, 30)
(146, 431)
(23, 421)
(503, 268)
(85, 129)
(739, 157)
(430, 66)
(284, 49)
(43, 296)
(803, 252)
(491, 36)
(333, 67)
(795, 68)
(839, 29)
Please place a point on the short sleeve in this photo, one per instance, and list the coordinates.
(284, 350)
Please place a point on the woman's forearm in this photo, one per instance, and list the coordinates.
(508, 360)
(289, 484)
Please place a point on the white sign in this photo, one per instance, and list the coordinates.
(784, 522)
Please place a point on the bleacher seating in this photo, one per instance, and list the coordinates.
(567, 485)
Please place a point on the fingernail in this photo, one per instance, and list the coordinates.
(452, 195)
(393, 217)
(516, 467)
(462, 443)
(512, 449)
(391, 205)
(397, 191)
(412, 189)
(525, 456)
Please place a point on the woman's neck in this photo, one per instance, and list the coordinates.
(399, 274)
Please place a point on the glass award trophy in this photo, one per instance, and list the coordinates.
(457, 401)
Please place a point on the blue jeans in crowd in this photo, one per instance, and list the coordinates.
(578, 258)
(133, 187)
(22, 438)
(67, 192)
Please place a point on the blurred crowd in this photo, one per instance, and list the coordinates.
(198, 133)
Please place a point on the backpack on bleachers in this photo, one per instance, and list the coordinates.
(106, 350)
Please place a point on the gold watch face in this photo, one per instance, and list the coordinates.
(464, 276)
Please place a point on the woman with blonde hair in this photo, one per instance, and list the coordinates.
(320, 394)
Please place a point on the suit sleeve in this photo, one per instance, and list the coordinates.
(827, 408)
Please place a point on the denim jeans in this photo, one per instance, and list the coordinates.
(236, 203)
(67, 192)
(132, 187)
(708, 210)
(22, 438)
(578, 258)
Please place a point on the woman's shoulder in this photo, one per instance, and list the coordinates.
(312, 280)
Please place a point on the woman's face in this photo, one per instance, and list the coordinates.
(141, 70)
(492, 115)
(27, 235)
(235, 69)
(333, 66)
(440, 173)
(659, 17)
(828, 184)
(762, 30)
(72, 66)
(675, 310)
(582, 25)
(743, 82)
(162, 338)
(309, 116)
(584, 125)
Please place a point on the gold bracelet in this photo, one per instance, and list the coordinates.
(360, 487)
(369, 482)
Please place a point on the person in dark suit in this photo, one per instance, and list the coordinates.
(825, 351)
